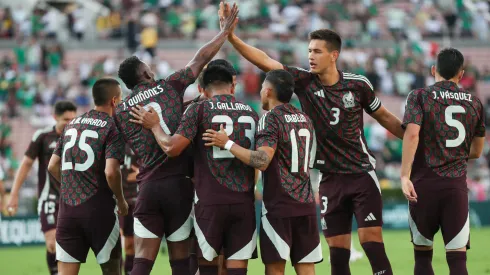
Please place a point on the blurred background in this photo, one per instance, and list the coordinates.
(53, 50)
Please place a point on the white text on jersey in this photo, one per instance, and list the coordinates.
(89, 121)
(457, 96)
(146, 94)
(295, 118)
(230, 106)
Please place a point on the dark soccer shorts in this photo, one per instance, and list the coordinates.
(48, 213)
(295, 238)
(445, 208)
(345, 195)
(75, 236)
(164, 208)
(126, 223)
(228, 226)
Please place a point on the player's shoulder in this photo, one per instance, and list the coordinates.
(357, 79)
(41, 133)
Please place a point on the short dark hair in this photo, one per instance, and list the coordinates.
(333, 39)
(449, 63)
(63, 106)
(216, 62)
(128, 71)
(224, 63)
(216, 75)
(283, 83)
(101, 91)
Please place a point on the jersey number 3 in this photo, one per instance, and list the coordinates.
(450, 121)
(82, 144)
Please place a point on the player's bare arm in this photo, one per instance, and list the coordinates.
(389, 121)
(410, 144)
(20, 177)
(476, 147)
(208, 51)
(171, 145)
(259, 159)
(54, 167)
(114, 180)
(132, 176)
(252, 54)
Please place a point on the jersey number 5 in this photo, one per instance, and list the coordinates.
(249, 133)
(82, 144)
(448, 114)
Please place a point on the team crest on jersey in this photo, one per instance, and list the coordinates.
(348, 100)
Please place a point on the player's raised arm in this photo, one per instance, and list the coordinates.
(259, 159)
(172, 145)
(252, 54)
(208, 51)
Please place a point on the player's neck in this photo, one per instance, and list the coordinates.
(58, 129)
(274, 103)
(104, 109)
(440, 79)
(330, 77)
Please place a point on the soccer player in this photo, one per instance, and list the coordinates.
(445, 128)
(224, 200)
(87, 161)
(335, 100)
(129, 170)
(164, 202)
(284, 144)
(41, 148)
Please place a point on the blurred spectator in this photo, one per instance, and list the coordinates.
(149, 34)
(449, 10)
(6, 24)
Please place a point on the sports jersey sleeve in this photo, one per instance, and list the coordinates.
(59, 145)
(115, 147)
(369, 101)
(181, 79)
(413, 110)
(267, 132)
(34, 147)
(480, 127)
(189, 124)
(301, 77)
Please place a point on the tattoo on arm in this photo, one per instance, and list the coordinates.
(258, 159)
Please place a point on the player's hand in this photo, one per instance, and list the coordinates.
(147, 119)
(13, 205)
(227, 17)
(409, 190)
(122, 207)
(215, 138)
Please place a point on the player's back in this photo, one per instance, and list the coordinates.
(220, 178)
(287, 188)
(450, 118)
(87, 141)
(166, 98)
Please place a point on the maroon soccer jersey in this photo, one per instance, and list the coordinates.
(337, 113)
(220, 178)
(84, 146)
(41, 148)
(287, 188)
(166, 97)
(449, 118)
(130, 188)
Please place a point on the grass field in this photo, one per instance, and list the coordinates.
(31, 260)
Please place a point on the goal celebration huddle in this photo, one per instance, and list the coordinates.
(136, 171)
